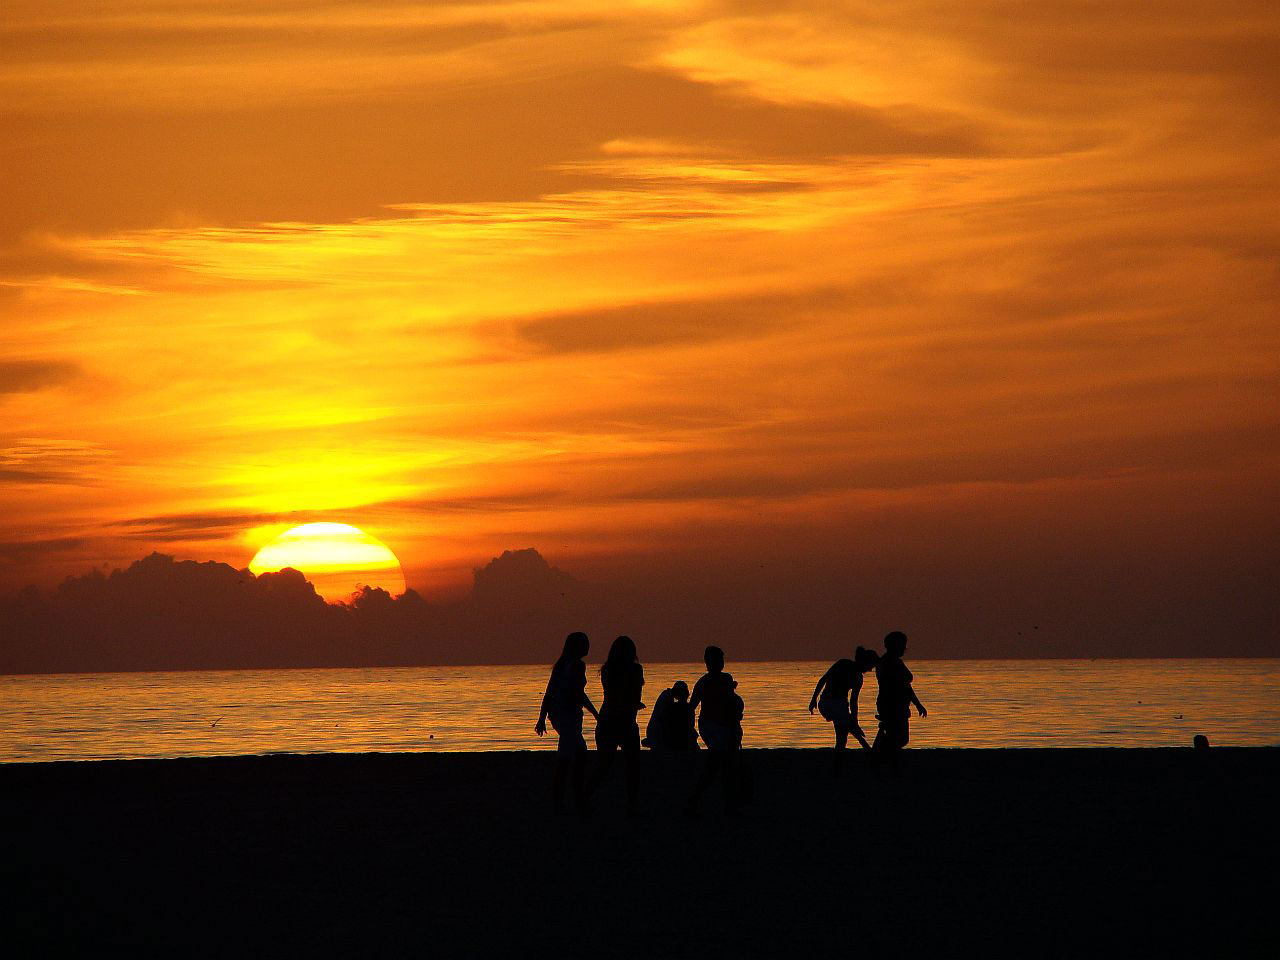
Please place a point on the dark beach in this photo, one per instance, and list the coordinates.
(969, 853)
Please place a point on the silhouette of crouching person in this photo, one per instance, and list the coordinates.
(720, 725)
(563, 702)
(671, 723)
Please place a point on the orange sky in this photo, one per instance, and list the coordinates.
(648, 286)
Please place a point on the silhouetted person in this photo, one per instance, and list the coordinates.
(623, 679)
(896, 696)
(1200, 741)
(563, 702)
(836, 696)
(720, 725)
(671, 722)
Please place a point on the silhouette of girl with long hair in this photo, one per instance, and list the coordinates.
(836, 696)
(623, 679)
(563, 702)
(895, 699)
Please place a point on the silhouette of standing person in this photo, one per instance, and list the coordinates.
(563, 702)
(671, 722)
(836, 696)
(623, 679)
(895, 699)
(720, 725)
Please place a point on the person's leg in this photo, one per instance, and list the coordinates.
(729, 781)
(893, 734)
(842, 741)
(580, 778)
(709, 769)
(604, 763)
(631, 761)
(563, 762)
(604, 760)
(882, 748)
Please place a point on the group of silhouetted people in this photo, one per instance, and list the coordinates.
(712, 712)
(836, 697)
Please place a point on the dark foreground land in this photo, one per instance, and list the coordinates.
(1047, 853)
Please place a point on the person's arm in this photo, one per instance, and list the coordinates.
(540, 727)
(813, 701)
(856, 728)
(916, 700)
(695, 698)
(586, 702)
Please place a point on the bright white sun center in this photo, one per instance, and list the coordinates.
(336, 557)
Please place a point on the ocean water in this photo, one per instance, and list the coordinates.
(971, 703)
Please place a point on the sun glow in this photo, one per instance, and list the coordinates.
(336, 557)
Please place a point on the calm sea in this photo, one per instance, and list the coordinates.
(971, 703)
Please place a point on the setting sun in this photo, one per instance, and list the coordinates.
(336, 557)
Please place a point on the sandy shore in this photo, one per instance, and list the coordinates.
(1043, 852)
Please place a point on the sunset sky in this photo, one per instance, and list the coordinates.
(960, 314)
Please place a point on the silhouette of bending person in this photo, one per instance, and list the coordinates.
(836, 696)
(563, 702)
(720, 725)
(623, 679)
(671, 722)
(895, 699)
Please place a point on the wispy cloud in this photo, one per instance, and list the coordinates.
(23, 376)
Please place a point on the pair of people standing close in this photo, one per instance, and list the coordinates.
(836, 697)
(622, 677)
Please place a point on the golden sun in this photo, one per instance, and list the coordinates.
(336, 557)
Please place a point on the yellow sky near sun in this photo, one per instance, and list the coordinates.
(586, 276)
(337, 558)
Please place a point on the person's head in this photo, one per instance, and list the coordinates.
(1200, 741)
(864, 659)
(713, 657)
(895, 644)
(576, 646)
(680, 691)
(622, 651)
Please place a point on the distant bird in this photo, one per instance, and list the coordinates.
(215, 723)
(1177, 716)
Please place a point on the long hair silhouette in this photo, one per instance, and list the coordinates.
(623, 679)
(563, 703)
(623, 650)
(576, 646)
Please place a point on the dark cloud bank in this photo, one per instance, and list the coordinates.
(167, 614)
